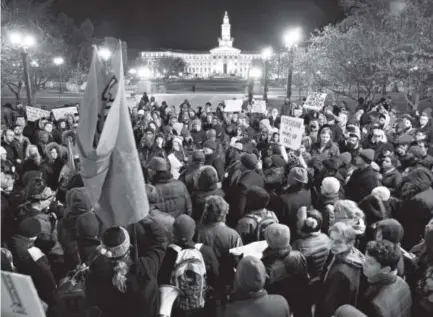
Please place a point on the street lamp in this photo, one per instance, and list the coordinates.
(132, 71)
(291, 39)
(58, 61)
(266, 55)
(144, 72)
(255, 73)
(24, 42)
(104, 53)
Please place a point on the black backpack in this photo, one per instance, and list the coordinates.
(262, 223)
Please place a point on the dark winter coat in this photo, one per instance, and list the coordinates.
(341, 280)
(33, 263)
(288, 204)
(248, 225)
(315, 247)
(218, 236)
(392, 179)
(142, 295)
(238, 194)
(11, 151)
(331, 150)
(414, 214)
(189, 176)
(361, 183)
(51, 170)
(388, 297)
(198, 200)
(173, 197)
(288, 276)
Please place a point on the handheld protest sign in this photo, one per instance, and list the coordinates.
(315, 101)
(19, 296)
(291, 132)
(33, 113)
(233, 105)
(259, 106)
(60, 113)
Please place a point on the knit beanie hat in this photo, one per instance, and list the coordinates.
(29, 227)
(345, 158)
(330, 186)
(115, 242)
(331, 164)
(257, 198)
(381, 192)
(367, 155)
(249, 161)
(348, 311)
(210, 145)
(87, 225)
(391, 230)
(277, 236)
(297, 175)
(198, 156)
(250, 275)
(277, 161)
(416, 151)
(157, 164)
(184, 228)
(208, 178)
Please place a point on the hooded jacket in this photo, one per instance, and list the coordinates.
(341, 280)
(250, 299)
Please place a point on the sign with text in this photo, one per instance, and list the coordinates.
(234, 105)
(34, 114)
(19, 296)
(60, 113)
(259, 106)
(291, 131)
(315, 101)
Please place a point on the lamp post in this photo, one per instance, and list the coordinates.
(105, 54)
(266, 55)
(24, 42)
(58, 61)
(291, 40)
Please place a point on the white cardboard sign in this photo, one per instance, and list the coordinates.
(233, 105)
(259, 106)
(291, 131)
(19, 297)
(60, 113)
(315, 101)
(254, 249)
(34, 114)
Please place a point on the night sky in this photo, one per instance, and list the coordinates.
(196, 24)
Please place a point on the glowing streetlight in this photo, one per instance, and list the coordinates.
(58, 61)
(104, 53)
(267, 53)
(255, 72)
(24, 42)
(34, 63)
(132, 71)
(144, 72)
(291, 39)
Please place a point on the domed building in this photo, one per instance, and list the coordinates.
(222, 61)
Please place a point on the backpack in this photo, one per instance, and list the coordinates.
(262, 223)
(189, 275)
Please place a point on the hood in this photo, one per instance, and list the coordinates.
(391, 230)
(250, 275)
(207, 179)
(78, 200)
(354, 258)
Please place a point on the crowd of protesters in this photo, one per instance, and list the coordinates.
(347, 218)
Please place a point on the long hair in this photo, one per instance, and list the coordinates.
(121, 270)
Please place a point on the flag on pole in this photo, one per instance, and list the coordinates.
(110, 166)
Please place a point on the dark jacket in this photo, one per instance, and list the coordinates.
(238, 205)
(288, 276)
(315, 248)
(189, 175)
(248, 225)
(392, 179)
(341, 280)
(173, 197)
(414, 214)
(361, 183)
(388, 297)
(288, 204)
(142, 295)
(198, 201)
(331, 150)
(31, 261)
(11, 151)
(218, 236)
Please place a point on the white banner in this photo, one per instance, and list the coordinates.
(291, 131)
(315, 101)
(259, 106)
(60, 113)
(233, 105)
(34, 114)
(254, 249)
(19, 297)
